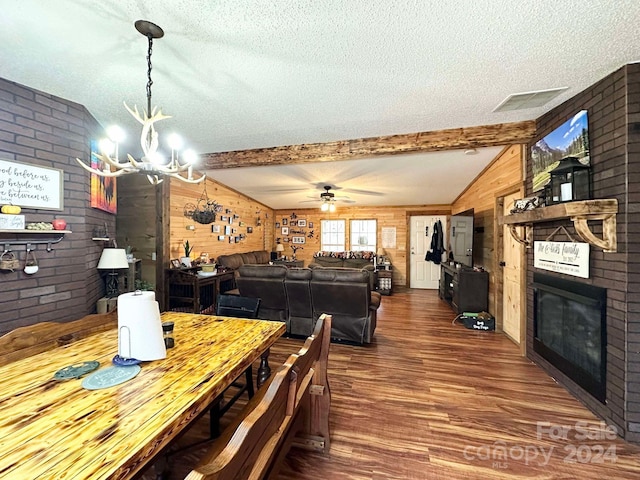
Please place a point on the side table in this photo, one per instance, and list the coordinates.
(384, 280)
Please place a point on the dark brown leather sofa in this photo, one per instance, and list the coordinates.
(298, 296)
(349, 259)
(235, 260)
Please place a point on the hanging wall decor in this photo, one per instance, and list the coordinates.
(103, 189)
(206, 209)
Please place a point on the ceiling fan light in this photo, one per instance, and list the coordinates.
(324, 207)
(332, 208)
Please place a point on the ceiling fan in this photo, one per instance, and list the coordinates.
(328, 199)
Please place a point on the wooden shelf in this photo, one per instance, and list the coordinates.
(31, 237)
(579, 212)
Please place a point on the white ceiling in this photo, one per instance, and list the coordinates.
(242, 75)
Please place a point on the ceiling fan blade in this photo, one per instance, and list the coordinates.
(284, 190)
(364, 192)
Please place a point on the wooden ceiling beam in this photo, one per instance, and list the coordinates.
(451, 139)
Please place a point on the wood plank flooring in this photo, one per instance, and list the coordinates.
(433, 400)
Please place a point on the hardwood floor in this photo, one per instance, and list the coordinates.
(433, 400)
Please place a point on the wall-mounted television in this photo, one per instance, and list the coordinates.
(569, 139)
(461, 238)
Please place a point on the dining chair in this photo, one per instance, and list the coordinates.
(233, 306)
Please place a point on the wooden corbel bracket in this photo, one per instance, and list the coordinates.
(580, 212)
(528, 234)
(609, 240)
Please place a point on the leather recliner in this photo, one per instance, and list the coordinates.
(265, 282)
(346, 295)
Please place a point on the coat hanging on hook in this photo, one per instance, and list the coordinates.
(437, 244)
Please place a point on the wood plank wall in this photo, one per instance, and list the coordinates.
(504, 174)
(136, 221)
(201, 237)
(397, 217)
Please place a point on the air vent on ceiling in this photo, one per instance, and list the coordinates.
(521, 101)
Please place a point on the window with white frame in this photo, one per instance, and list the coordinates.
(332, 234)
(363, 235)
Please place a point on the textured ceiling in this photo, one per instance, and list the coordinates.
(241, 75)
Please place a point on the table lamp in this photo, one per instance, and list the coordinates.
(380, 255)
(279, 249)
(112, 259)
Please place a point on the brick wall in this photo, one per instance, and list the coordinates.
(40, 129)
(614, 131)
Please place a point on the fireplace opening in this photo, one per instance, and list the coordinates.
(569, 322)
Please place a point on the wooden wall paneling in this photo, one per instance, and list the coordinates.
(397, 217)
(137, 220)
(163, 209)
(504, 173)
(201, 236)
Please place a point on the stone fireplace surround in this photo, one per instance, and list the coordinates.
(613, 106)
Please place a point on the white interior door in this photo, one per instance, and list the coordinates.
(511, 280)
(424, 274)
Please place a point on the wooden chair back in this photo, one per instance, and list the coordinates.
(237, 306)
(296, 404)
(313, 398)
(41, 337)
(247, 453)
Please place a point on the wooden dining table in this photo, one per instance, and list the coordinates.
(56, 429)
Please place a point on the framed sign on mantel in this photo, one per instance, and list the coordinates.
(570, 258)
(31, 186)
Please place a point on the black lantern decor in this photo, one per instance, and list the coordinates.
(570, 180)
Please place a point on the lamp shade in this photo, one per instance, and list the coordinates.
(113, 258)
(279, 247)
(381, 252)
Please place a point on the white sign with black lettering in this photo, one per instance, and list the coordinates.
(562, 257)
(30, 186)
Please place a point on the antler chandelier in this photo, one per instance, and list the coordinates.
(152, 164)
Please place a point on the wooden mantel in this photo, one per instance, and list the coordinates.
(579, 212)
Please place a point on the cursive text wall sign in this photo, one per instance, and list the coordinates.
(31, 186)
(562, 257)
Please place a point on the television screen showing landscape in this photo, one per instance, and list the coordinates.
(571, 139)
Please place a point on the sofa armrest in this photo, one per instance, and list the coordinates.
(376, 298)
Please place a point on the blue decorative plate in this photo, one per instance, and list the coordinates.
(124, 362)
(76, 371)
(110, 376)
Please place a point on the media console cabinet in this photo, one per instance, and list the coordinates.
(465, 289)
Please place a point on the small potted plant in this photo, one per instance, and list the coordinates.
(186, 260)
(129, 253)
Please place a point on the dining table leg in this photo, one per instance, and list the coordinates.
(264, 371)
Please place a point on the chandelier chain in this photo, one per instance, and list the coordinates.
(149, 81)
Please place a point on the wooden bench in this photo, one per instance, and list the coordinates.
(292, 410)
(41, 337)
